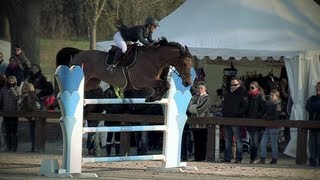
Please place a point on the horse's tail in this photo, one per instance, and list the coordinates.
(65, 55)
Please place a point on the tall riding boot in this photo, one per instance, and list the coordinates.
(115, 60)
(108, 148)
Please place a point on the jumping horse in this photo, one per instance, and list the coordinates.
(141, 67)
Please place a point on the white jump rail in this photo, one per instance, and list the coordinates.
(71, 100)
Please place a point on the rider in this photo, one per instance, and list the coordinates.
(133, 34)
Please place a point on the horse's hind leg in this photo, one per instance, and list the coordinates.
(151, 92)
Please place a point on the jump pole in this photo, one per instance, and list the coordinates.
(71, 101)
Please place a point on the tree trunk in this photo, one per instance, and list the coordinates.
(4, 28)
(93, 36)
(24, 21)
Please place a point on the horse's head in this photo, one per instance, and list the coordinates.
(184, 66)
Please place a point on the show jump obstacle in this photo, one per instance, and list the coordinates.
(71, 100)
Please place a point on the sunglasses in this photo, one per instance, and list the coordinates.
(251, 87)
(234, 85)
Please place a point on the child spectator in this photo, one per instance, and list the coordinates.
(273, 110)
(30, 103)
(9, 96)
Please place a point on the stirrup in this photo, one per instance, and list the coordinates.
(111, 68)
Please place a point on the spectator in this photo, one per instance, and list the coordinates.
(217, 104)
(200, 106)
(30, 103)
(114, 92)
(273, 110)
(3, 64)
(14, 69)
(9, 96)
(93, 144)
(313, 107)
(285, 95)
(235, 106)
(257, 107)
(23, 61)
(40, 83)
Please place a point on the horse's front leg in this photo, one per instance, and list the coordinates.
(160, 91)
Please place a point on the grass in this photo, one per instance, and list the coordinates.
(49, 48)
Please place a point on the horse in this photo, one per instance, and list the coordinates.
(141, 67)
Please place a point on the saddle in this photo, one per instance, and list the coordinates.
(127, 60)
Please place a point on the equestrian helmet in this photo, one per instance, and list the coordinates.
(151, 21)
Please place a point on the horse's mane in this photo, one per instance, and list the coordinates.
(164, 42)
(184, 51)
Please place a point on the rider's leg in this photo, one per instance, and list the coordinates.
(117, 57)
(119, 41)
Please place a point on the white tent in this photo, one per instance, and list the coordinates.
(253, 28)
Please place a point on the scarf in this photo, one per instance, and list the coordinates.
(254, 93)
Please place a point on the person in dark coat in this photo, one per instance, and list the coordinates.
(257, 108)
(23, 61)
(14, 69)
(143, 33)
(9, 96)
(40, 83)
(235, 105)
(114, 92)
(313, 107)
(93, 143)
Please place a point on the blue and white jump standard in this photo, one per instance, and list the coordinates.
(71, 100)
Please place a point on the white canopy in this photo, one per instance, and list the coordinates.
(252, 28)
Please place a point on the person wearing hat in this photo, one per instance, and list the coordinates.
(143, 33)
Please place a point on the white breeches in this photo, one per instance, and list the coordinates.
(119, 41)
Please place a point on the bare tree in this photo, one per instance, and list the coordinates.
(93, 10)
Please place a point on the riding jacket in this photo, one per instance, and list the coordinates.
(136, 33)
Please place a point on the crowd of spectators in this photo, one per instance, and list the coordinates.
(23, 88)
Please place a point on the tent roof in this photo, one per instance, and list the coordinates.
(244, 27)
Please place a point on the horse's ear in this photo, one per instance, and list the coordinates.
(186, 48)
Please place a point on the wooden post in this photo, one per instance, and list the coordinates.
(40, 135)
(301, 158)
(210, 142)
(125, 141)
